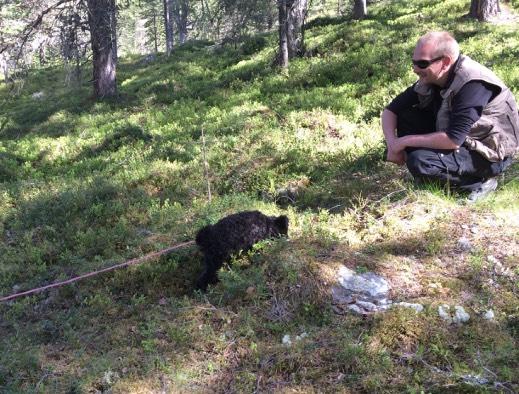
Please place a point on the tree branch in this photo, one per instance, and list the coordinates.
(31, 27)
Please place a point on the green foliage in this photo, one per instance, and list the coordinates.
(253, 44)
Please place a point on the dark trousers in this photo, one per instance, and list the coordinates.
(461, 168)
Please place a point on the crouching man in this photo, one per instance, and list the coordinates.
(457, 124)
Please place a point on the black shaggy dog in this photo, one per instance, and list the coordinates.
(231, 234)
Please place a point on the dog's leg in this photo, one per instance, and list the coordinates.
(209, 275)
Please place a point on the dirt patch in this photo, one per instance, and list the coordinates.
(507, 16)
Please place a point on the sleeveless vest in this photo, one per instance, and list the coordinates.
(496, 134)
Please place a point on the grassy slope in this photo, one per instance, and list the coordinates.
(87, 184)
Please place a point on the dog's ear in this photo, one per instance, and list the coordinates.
(281, 223)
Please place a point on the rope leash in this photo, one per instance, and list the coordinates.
(134, 261)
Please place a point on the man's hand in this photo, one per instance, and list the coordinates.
(395, 150)
(397, 157)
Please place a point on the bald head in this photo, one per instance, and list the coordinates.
(442, 43)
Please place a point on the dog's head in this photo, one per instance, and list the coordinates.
(281, 225)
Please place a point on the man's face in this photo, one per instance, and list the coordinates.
(435, 70)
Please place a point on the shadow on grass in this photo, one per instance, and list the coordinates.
(111, 318)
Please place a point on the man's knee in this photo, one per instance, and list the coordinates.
(418, 163)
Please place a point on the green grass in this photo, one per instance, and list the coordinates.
(85, 184)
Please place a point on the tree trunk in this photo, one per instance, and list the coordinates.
(483, 10)
(102, 48)
(42, 54)
(168, 26)
(4, 65)
(182, 12)
(155, 33)
(296, 15)
(113, 28)
(359, 9)
(283, 40)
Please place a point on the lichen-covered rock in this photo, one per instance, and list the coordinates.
(368, 284)
(443, 311)
(460, 316)
(417, 307)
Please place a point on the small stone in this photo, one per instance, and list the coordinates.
(460, 316)
(498, 268)
(417, 307)
(355, 309)
(464, 244)
(443, 311)
(286, 340)
(464, 226)
(367, 306)
(38, 95)
(489, 315)
(109, 378)
(475, 379)
(491, 259)
(474, 230)
(303, 335)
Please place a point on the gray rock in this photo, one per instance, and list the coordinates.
(475, 380)
(492, 260)
(148, 59)
(443, 311)
(464, 244)
(356, 309)
(417, 307)
(460, 316)
(367, 283)
(38, 95)
(109, 378)
(383, 302)
(360, 293)
(367, 306)
(365, 294)
(489, 315)
(341, 296)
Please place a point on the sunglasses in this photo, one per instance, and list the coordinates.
(425, 63)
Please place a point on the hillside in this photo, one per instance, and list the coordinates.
(85, 185)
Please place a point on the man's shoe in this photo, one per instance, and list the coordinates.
(484, 190)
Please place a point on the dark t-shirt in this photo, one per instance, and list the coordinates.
(467, 106)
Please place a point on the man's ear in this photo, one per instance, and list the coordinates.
(447, 62)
